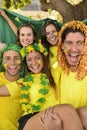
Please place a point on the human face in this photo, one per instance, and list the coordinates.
(34, 62)
(51, 34)
(12, 63)
(72, 46)
(26, 36)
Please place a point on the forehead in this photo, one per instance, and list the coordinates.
(26, 29)
(50, 27)
(11, 53)
(74, 36)
(33, 54)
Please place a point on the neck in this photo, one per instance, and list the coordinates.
(73, 68)
(11, 78)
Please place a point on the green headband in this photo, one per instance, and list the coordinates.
(11, 46)
(35, 47)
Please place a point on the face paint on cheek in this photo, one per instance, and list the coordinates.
(55, 33)
(40, 62)
(65, 49)
(5, 65)
(18, 62)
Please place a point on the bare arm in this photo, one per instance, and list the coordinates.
(10, 22)
(4, 91)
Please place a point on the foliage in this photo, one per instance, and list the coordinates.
(48, 1)
(15, 3)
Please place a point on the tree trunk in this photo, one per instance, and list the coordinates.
(68, 11)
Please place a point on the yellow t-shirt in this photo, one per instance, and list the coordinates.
(34, 95)
(70, 90)
(10, 110)
(73, 91)
(55, 68)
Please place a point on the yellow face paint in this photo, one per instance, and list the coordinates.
(55, 33)
(39, 62)
(5, 65)
(65, 50)
(18, 62)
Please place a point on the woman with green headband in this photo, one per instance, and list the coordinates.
(38, 93)
(12, 70)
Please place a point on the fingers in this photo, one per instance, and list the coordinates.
(1, 45)
(50, 120)
(47, 114)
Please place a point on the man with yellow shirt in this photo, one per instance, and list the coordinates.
(72, 58)
(11, 63)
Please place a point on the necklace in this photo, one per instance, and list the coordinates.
(25, 102)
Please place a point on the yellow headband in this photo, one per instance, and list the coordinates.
(35, 47)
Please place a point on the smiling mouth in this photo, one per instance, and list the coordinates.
(74, 57)
(13, 69)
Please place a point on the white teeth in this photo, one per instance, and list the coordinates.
(12, 67)
(74, 54)
(34, 67)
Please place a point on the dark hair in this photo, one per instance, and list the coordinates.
(47, 70)
(27, 24)
(69, 30)
(43, 31)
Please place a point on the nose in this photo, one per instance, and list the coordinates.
(26, 37)
(33, 61)
(74, 47)
(12, 61)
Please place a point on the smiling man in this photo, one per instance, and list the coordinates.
(11, 63)
(72, 58)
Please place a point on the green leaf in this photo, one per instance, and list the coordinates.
(44, 91)
(34, 107)
(41, 100)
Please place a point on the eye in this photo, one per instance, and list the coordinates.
(17, 58)
(7, 58)
(30, 34)
(54, 31)
(38, 57)
(21, 34)
(80, 42)
(28, 60)
(68, 43)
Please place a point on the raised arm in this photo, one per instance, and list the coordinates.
(10, 22)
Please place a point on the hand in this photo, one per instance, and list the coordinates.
(1, 45)
(50, 120)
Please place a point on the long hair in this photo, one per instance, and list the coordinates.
(46, 69)
(43, 32)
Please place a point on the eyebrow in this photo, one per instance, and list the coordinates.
(73, 42)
